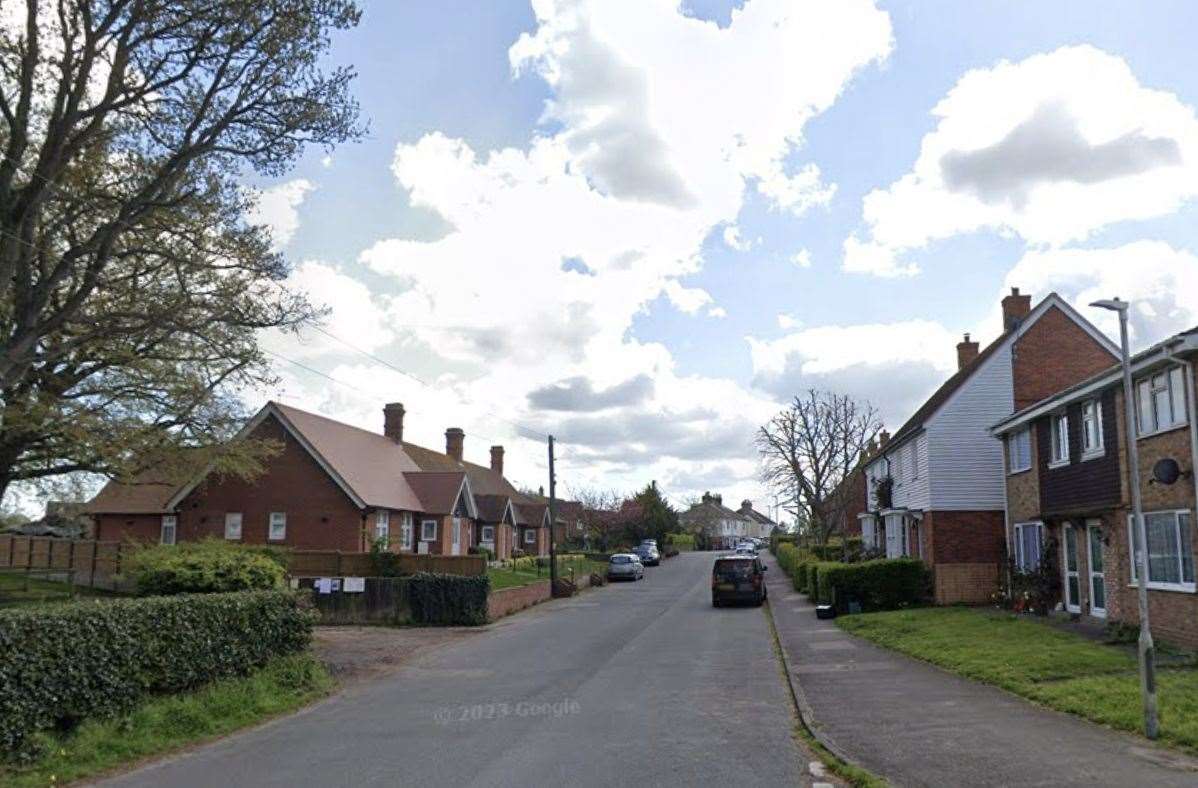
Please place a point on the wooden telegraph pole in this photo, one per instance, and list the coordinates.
(552, 520)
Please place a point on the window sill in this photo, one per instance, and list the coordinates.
(1163, 430)
(1017, 471)
(1179, 588)
(1058, 464)
(1093, 455)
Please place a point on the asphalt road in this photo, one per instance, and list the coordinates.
(634, 684)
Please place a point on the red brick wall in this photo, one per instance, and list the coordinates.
(509, 600)
(1054, 354)
(119, 527)
(320, 516)
(963, 537)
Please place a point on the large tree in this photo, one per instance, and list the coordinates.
(132, 289)
(808, 452)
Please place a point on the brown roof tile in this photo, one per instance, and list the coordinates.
(438, 490)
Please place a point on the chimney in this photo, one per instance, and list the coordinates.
(454, 440)
(883, 438)
(966, 352)
(746, 504)
(1015, 308)
(706, 497)
(393, 421)
(497, 459)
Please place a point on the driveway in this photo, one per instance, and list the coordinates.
(639, 683)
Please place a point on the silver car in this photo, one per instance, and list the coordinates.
(625, 566)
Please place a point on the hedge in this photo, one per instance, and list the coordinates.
(65, 663)
(839, 550)
(884, 584)
(206, 567)
(453, 600)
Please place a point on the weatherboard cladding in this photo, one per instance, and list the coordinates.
(1082, 486)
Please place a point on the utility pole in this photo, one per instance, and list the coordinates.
(552, 520)
(1147, 650)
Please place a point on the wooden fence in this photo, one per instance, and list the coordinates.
(334, 563)
(96, 564)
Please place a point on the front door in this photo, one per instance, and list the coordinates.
(457, 536)
(1097, 574)
(1072, 583)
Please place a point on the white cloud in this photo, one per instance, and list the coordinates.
(801, 258)
(326, 161)
(733, 240)
(354, 314)
(787, 322)
(278, 209)
(1050, 149)
(717, 312)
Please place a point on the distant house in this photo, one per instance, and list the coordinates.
(720, 526)
(334, 487)
(1068, 483)
(761, 526)
(936, 488)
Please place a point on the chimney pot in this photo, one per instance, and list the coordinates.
(1015, 308)
(497, 459)
(393, 421)
(967, 351)
(455, 440)
(883, 438)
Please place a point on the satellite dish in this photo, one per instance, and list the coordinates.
(1166, 471)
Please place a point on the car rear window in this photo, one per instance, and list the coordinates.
(621, 559)
(734, 570)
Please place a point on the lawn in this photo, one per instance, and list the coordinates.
(1032, 658)
(160, 725)
(13, 591)
(509, 578)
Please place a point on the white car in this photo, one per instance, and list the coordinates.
(625, 566)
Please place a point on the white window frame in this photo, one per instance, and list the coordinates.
(276, 519)
(405, 531)
(233, 526)
(1092, 417)
(170, 524)
(425, 534)
(1170, 382)
(530, 536)
(382, 526)
(1185, 586)
(1059, 439)
(1017, 462)
(483, 533)
(1020, 558)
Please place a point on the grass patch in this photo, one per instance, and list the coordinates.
(1059, 669)
(161, 725)
(509, 578)
(14, 592)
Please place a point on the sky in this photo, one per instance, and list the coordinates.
(643, 226)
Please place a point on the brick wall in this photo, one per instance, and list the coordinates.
(509, 600)
(968, 584)
(1052, 355)
(122, 527)
(963, 537)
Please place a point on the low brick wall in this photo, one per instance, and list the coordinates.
(509, 600)
(970, 584)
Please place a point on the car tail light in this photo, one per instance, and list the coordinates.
(714, 581)
(756, 580)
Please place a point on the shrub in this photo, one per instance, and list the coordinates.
(788, 557)
(886, 584)
(207, 567)
(384, 562)
(777, 539)
(65, 663)
(448, 599)
(517, 553)
(801, 575)
(849, 550)
(682, 541)
(485, 552)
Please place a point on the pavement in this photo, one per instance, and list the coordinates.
(637, 683)
(917, 725)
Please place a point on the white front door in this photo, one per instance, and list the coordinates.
(457, 536)
(1097, 572)
(1072, 583)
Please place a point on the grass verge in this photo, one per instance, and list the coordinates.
(1031, 658)
(854, 775)
(509, 578)
(165, 724)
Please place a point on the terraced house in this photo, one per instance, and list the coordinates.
(1068, 487)
(334, 486)
(936, 489)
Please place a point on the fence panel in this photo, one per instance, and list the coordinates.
(331, 563)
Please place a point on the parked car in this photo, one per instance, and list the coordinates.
(648, 554)
(744, 548)
(738, 578)
(625, 566)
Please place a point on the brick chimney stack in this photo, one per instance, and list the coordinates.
(967, 351)
(455, 440)
(883, 438)
(497, 459)
(1015, 308)
(393, 421)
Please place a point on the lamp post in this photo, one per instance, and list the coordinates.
(1147, 651)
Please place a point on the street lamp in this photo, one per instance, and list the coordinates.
(1146, 650)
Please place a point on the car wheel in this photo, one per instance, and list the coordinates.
(715, 602)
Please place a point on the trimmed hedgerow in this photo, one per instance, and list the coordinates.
(207, 567)
(65, 663)
(885, 584)
(448, 599)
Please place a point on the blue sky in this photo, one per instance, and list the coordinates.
(723, 333)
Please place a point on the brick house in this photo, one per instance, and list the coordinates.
(1068, 484)
(760, 525)
(936, 490)
(721, 527)
(331, 487)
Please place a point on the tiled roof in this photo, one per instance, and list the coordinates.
(491, 508)
(147, 494)
(437, 490)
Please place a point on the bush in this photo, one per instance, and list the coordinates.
(850, 550)
(777, 539)
(485, 552)
(208, 567)
(788, 557)
(886, 584)
(682, 541)
(517, 553)
(801, 576)
(65, 663)
(453, 600)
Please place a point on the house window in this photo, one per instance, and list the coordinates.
(278, 526)
(1092, 428)
(488, 533)
(1029, 538)
(170, 525)
(1060, 439)
(405, 531)
(382, 527)
(1161, 401)
(869, 532)
(1170, 551)
(530, 536)
(1019, 450)
(233, 525)
(428, 530)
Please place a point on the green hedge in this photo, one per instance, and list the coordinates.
(65, 663)
(455, 600)
(780, 539)
(839, 550)
(207, 567)
(684, 542)
(885, 584)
